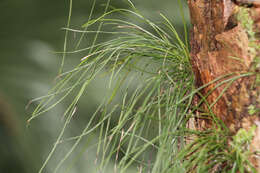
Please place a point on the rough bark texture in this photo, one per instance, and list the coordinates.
(220, 45)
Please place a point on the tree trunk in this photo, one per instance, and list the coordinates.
(224, 41)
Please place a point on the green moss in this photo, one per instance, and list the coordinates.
(243, 137)
(253, 110)
(243, 17)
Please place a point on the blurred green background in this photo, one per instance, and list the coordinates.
(30, 33)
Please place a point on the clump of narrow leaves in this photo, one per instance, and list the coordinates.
(145, 129)
(217, 150)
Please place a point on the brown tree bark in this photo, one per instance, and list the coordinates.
(221, 45)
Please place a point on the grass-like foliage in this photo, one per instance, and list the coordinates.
(150, 131)
(217, 150)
